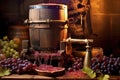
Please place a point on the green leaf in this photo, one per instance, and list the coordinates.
(89, 72)
(1, 72)
(104, 77)
(4, 72)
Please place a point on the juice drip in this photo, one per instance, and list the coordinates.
(47, 58)
(51, 57)
(36, 56)
(40, 60)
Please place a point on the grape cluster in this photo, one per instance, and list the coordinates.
(17, 66)
(100, 64)
(107, 65)
(8, 47)
(78, 64)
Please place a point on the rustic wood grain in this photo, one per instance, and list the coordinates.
(38, 77)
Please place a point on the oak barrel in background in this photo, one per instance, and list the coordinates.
(20, 34)
(47, 26)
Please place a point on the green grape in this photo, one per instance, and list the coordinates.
(0, 41)
(14, 56)
(12, 45)
(11, 42)
(10, 54)
(3, 43)
(7, 54)
(5, 47)
(5, 38)
(6, 44)
(15, 45)
(16, 53)
(3, 50)
(8, 48)
(11, 50)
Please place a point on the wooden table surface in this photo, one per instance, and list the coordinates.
(38, 77)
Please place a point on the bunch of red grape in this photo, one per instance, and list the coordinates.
(17, 66)
(107, 65)
(100, 64)
(77, 65)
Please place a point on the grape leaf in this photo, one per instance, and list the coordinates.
(4, 72)
(1, 72)
(104, 77)
(89, 72)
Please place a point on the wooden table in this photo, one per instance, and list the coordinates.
(38, 77)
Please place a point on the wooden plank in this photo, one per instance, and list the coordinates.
(38, 77)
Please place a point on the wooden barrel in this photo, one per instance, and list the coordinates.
(47, 26)
(20, 34)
